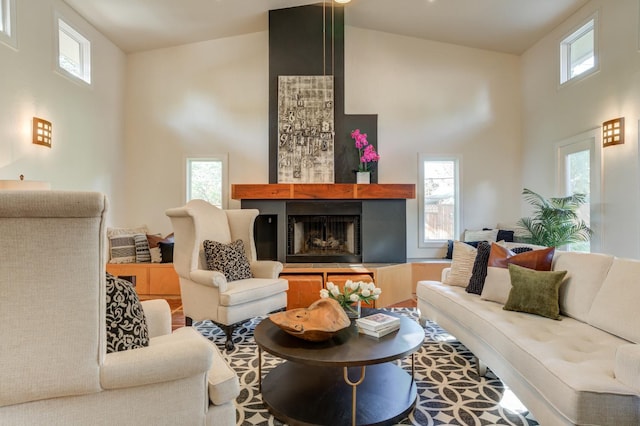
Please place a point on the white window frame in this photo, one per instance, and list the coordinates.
(8, 23)
(457, 159)
(589, 24)
(222, 158)
(590, 140)
(84, 74)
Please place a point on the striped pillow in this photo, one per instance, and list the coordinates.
(143, 255)
(123, 249)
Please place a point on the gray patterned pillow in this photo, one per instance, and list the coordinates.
(123, 249)
(230, 259)
(143, 254)
(126, 323)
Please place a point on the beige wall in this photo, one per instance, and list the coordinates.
(212, 98)
(88, 127)
(441, 99)
(553, 114)
(200, 99)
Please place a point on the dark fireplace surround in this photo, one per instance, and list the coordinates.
(330, 231)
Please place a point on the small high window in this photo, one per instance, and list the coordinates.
(578, 53)
(8, 22)
(74, 52)
(439, 200)
(206, 180)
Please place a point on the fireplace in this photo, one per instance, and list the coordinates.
(328, 223)
(324, 232)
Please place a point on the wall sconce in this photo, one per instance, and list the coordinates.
(613, 132)
(42, 132)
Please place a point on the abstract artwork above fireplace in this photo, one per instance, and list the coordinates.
(305, 129)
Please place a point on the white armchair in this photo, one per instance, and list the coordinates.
(206, 294)
(54, 368)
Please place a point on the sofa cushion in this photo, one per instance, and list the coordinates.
(497, 285)
(464, 256)
(540, 260)
(615, 307)
(156, 254)
(479, 271)
(122, 239)
(519, 245)
(250, 289)
(123, 249)
(534, 292)
(520, 233)
(143, 254)
(586, 273)
(504, 235)
(449, 254)
(230, 259)
(481, 235)
(125, 320)
(166, 251)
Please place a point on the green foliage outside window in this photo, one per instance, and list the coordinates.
(206, 181)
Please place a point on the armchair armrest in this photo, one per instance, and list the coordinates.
(183, 354)
(627, 365)
(209, 278)
(266, 268)
(158, 315)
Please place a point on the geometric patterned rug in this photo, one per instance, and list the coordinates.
(449, 390)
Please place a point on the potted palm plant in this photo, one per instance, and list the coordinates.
(555, 221)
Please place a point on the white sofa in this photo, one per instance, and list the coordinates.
(584, 369)
(54, 368)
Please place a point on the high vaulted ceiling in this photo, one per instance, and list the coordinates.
(509, 26)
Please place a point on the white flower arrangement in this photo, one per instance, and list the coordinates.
(353, 291)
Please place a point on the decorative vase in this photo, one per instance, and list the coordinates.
(353, 310)
(363, 177)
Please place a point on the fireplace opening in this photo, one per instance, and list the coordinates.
(322, 237)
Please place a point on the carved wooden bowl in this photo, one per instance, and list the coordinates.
(317, 323)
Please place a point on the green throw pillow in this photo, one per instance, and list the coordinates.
(534, 292)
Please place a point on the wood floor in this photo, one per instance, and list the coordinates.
(177, 315)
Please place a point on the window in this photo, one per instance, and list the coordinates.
(439, 199)
(206, 180)
(578, 54)
(8, 22)
(74, 53)
(579, 172)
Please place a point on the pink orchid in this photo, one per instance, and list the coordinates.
(367, 152)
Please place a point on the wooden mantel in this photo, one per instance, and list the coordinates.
(322, 191)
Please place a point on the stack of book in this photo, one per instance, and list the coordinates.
(378, 325)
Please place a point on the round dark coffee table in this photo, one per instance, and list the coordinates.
(348, 379)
